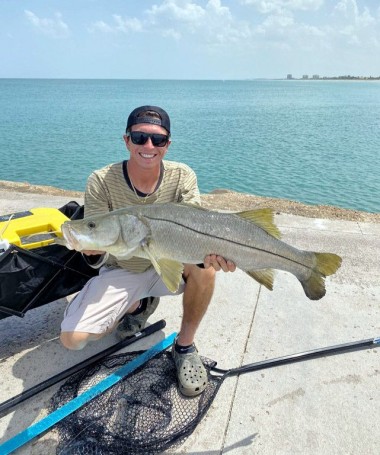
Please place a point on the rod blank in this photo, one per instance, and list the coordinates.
(301, 357)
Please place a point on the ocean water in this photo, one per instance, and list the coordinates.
(316, 142)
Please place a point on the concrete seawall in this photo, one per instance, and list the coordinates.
(327, 406)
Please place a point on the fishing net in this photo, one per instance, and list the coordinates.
(144, 413)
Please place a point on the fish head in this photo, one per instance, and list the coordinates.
(97, 232)
(118, 233)
(134, 230)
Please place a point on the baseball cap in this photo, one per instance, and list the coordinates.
(140, 115)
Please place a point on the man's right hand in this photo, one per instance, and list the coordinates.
(92, 252)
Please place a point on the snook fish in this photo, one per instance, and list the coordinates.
(173, 234)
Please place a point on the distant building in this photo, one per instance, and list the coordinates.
(315, 76)
(305, 76)
(289, 76)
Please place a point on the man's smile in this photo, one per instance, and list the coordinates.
(147, 155)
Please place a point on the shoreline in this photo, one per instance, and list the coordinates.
(224, 199)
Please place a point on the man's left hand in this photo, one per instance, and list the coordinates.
(219, 263)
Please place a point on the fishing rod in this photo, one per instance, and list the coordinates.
(7, 405)
(300, 357)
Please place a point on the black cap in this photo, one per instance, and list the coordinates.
(137, 116)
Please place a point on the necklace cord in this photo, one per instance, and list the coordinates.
(139, 198)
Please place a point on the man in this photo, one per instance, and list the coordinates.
(121, 295)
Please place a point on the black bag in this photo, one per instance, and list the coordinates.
(31, 278)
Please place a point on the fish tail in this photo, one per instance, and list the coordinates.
(325, 264)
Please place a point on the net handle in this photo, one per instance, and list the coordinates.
(299, 357)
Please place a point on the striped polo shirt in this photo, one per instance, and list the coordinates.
(107, 189)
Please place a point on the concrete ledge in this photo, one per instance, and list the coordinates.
(325, 406)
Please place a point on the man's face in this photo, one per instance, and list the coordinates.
(146, 155)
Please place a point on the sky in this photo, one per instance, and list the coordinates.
(188, 39)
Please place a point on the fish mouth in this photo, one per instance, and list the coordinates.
(71, 241)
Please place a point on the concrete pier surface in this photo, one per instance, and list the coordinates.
(325, 406)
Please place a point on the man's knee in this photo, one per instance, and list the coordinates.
(74, 340)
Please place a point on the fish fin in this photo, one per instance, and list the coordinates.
(126, 256)
(171, 273)
(151, 257)
(326, 264)
(262, 218)
(264, 277)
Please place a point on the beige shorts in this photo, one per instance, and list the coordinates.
(105, 299)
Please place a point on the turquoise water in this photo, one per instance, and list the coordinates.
(312, 141)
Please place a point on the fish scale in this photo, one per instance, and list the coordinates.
(197, 243)
(205, 232)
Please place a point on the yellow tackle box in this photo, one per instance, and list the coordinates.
(33, 228)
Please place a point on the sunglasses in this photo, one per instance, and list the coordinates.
(141, 138)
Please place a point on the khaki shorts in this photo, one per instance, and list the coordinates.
(105, 299)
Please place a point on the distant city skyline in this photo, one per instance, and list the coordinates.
(188, 39)
(318, 76)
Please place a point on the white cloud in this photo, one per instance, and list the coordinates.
(55, 28)
(271, 6)
(101, 26)
(212, 24)
(181, 10)
(181, 19)
(281, 28)
(127, 25)
(348, 10)
(278, 22)
(346, 26)
(171, 33)
(355, 27)
(347, 7)
(119, 25)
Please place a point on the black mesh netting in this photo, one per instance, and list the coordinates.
(142, 414)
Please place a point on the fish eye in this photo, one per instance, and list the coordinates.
(91, 224)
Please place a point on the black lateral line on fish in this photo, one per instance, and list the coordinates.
(221, 238)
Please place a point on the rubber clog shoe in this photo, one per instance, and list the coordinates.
(130, 324)
(191, 373)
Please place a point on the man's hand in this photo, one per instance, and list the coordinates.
(219, 263)
(92, 252)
